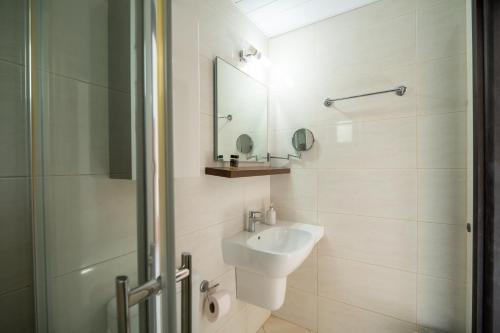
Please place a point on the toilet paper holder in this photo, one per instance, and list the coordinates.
(205, 286)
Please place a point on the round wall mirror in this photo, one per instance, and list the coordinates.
(244, 144)
(303, 139)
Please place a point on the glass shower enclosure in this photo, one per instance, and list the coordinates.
(85, 184)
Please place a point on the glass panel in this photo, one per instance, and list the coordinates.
(89, 101)
(16, 282)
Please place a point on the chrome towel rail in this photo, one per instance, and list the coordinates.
(400, 91)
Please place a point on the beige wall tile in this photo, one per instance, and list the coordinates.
(440, 28)
(206, 85)
(305, 278)
(379, 167)
(375, 144)
(442, 249)
(433, 76)
(340, 317)
(442, 141)
(13, 120)
(205, 246)
(196, 207)
(294, 215)
(79, 302)
(381, 193)
(75, 27)
(300, 308)
(387, 43)
(13, 15)
(297, 190)
(289, 102)
(379, 241)
(18, 313)
(287, 56)
(206, 141)
(441, 304)
(186, 90)
(442, 195)
(78, 127)
(15, 239)
(257, 193)
(90, 219)
(387, 291)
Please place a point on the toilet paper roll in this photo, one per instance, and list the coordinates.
(218, 305)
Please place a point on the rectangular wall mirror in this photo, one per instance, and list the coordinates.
(240, 122)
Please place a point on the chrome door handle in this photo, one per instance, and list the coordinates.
(126, 298)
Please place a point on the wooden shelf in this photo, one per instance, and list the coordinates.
(245, 171)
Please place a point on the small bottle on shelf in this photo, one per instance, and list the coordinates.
(234, 162)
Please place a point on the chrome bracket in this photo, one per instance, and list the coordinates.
(205, 286)
(269, 157)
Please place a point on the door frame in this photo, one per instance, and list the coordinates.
(486, 156)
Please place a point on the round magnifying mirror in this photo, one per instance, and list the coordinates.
(244, 144)
(303, 139)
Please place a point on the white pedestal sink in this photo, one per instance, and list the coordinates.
(264, 259)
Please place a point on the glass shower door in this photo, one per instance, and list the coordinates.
(16, 278)
(98, 198)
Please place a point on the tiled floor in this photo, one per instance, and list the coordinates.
(277, 325)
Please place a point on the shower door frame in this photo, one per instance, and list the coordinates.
(486, 134)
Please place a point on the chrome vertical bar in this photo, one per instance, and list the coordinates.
(122, 308)
(168, 150)
(186, 299)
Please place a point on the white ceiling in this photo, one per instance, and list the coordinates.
(275, 17)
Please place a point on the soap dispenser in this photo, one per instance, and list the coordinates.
(271, 215)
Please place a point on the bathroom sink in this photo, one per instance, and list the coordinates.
(274, 251)
(264, 258)
(281, 240)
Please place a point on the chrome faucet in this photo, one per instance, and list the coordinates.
(254, 217)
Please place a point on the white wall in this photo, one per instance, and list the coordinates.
(209, 208)
(387, 175)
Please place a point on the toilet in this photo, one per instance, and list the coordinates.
(112, 320)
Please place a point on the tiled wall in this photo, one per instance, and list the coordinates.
(16, 292)
(90, 219)
(387, 175)
(209, 208)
